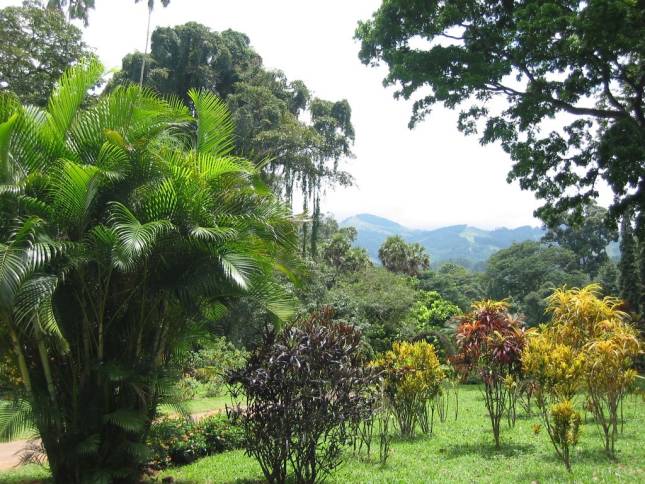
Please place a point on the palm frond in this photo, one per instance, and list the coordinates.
(113, 161)
(70, 93)
(214, 126)
(16, 418)
(134, 237)
(89, 446)
(214, 234)
(238, 268)
(128, 420)
(33, 307)
(12, 272)
(6, 129)
(212, 167)
(74, 187)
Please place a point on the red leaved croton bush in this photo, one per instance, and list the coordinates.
(490, 342)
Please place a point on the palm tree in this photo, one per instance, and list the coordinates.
(151, 7)
(119, 225)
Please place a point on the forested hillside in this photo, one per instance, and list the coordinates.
(467, 245)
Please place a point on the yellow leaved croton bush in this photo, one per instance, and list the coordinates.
(412, 377)
(589, 346)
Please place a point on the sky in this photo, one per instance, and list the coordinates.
(428, 177)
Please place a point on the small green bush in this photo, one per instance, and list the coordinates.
(176, 441)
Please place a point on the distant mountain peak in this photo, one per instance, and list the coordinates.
(469, 245)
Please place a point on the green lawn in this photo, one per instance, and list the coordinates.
(459, 451)
(462, 451)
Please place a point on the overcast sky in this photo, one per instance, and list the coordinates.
(424, 178)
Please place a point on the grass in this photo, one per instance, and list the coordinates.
(459, 451)
(463, 451)
(25, 474)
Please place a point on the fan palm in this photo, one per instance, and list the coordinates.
(119, 224)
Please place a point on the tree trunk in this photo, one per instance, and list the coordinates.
(145, 52)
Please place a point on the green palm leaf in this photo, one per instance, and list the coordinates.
(16, 418)
(12, 271)
(214, 126)
(128, 420)
(239, 268)
(33, 308)
(74, 187)
(6, 129)
(135, 238)
(69, 94)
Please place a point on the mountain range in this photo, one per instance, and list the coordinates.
(463, 244)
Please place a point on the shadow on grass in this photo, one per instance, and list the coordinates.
(486, 450)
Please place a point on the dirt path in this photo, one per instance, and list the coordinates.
(10, 452)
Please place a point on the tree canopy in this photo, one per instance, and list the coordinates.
(300, 138)
(36, 46)
(528, 272)
(579, 61)
(397, 255)
(586, 234)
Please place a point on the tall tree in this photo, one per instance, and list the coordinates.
(341, 256)
(397, 255)
(455, 283)
(74, 9)
(80, 9)
(151, 7)
(630, 283)
(528, 272)
(300, 140)
(36, 46)
(580, 61)
(120, 223)
(586, 233)
(640, 231)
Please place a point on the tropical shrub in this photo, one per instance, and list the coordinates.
(118, 224)
(306, 389)
(176, 441)
(556, 371)
(431, 318)
(377, 301)
(413, 378)
(490, 343)
(211, 363)
(596, 329)
(565, 429)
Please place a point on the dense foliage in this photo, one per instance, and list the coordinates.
(339, 253)
(36, 46)
(396, 255)
(376, 300)
(528, 272)
(630, 283)
(579, 61)
(306, 389)
(268, 110)
(176, 441)
(455, 283)
(119, 224)
(586, 234)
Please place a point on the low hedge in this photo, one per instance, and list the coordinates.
(175, 441)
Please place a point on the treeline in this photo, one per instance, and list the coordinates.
(402, 297)
(298, 140)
